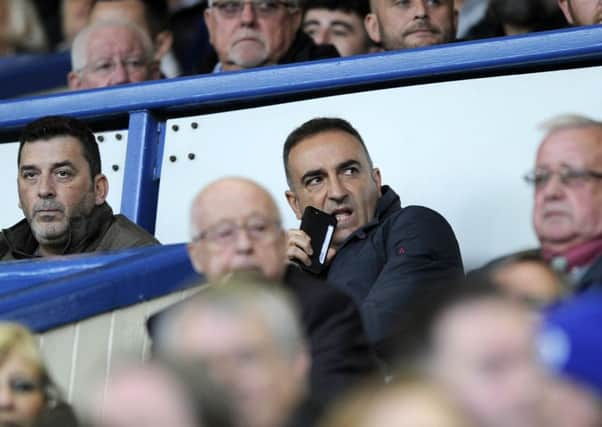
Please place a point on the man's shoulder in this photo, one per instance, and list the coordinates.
(123, 234)
(303, 48)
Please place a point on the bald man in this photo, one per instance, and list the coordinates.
(236, 226)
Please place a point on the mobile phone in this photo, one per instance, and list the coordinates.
(320, 228)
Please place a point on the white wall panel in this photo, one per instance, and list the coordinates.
(459, 147)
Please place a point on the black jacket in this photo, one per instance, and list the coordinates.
(400, 252)
(102, 231)
(339, 349)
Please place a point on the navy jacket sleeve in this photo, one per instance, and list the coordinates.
(420, 251)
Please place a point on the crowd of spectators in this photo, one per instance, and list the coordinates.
(197, 37)
(379, 325)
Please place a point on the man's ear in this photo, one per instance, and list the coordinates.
(210, 24)
(377, 179)
(190, 248)
(163, 42)
(101, 188)
(297, 19)
(293, 202)
(372, 27)
(566, 10)
(74, 80)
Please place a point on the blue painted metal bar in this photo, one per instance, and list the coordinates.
(139, 175)
(19, 275)
(33, 73)
(499, 55)
(151, 273)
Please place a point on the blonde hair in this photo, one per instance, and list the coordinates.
(16, 339)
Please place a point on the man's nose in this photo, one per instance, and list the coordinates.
(46, 187)
(322, 36)
(553, 188)
(243, 242)
(336, 190)
(248, 14)
(420, 9)
(120, 74)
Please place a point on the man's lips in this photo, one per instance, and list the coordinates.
(342, 214)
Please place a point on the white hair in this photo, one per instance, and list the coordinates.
(568, 121)
(79, 48)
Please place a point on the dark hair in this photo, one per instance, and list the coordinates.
(314, 127)
(50, 127)
(359, 7)
(155, 13)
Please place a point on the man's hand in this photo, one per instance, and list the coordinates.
(298, 247)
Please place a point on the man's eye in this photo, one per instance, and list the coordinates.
(401, 3)
(258, 227)
(224, 233)
(267, 6)
(28, 175)
(434, 2)
(313, 181)
(62, 173)
(230, 6)
(103, 66)
(352, 170)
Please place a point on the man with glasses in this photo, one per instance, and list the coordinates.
(110, 53)
(567, 212)
(236, 227)
(248, 34)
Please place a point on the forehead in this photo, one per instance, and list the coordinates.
(578, 145)
(326, 148)
(109, 41)
(16, 363)
(326, 17)
(233, 202)
(53, 150)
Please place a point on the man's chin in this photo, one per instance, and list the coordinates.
(248, 59)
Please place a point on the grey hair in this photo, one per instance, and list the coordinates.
(244, 295)
(79, 47)
(568, 121)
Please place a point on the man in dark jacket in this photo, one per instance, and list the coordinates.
(236, 227)
(249, 34)
(382, 254)
(62, 193)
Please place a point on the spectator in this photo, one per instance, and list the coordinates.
(581, 12)
(249, 34)
(20, 28)
(382, 253)
(410, 401)
(29, 396)
(411, 23)
(150, 16)
(161, 394)
(567, 211)
(340, 23)
(62, 193)
(479, 345)
(526, 276)
(236, 227)
(252, 343)
(111, 53)
(512, 17)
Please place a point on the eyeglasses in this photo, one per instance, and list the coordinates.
(225, 233)
(264, 8)
(568, 177)
(106, 67)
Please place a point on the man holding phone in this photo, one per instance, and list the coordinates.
(381, 254)
(235, 226)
